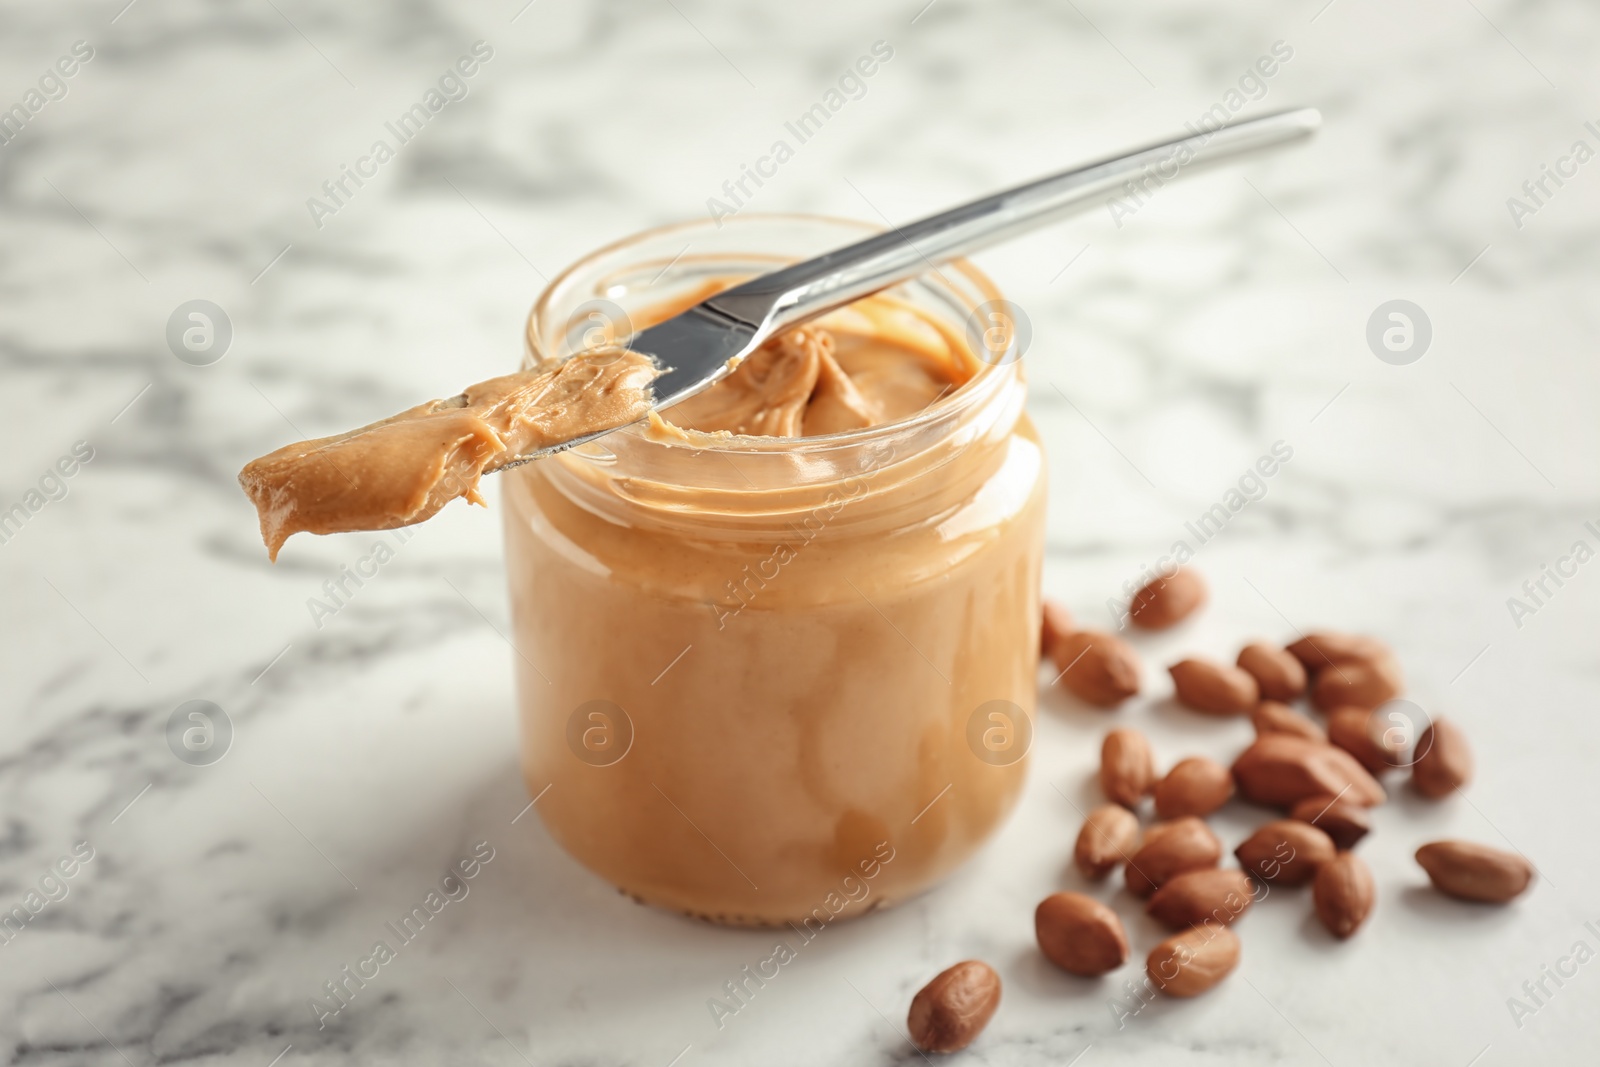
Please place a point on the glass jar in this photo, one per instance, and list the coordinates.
(768, 680)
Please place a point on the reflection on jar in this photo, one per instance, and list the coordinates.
(750, 667)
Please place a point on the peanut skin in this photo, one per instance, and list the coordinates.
(952, 1010)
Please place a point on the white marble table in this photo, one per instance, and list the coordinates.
(1169, 352)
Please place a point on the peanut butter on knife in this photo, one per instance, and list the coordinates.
(403, 469)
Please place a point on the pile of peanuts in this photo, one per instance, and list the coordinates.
(1324, 778)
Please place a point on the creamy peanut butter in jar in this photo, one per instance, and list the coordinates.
(784, 673)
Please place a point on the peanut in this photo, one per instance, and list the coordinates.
(1323, 648)
(1195, 786)
(1213, 688)
(1279, 674)
(1469, 871)
(1285, 852)
(1343, 894)
(1057, 624)
(1127, 769)
(1080, 935)
(1194, 897)
(1271, 717)
(1168, 601)
(1109, 835)
(1188, 964)
(1169, 849)
(1281, 770)
(950, 1011)
(1360, 733)
(1359, 683)
(1443, 761)
(1097, 668)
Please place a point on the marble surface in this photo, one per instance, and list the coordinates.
(1226, 313)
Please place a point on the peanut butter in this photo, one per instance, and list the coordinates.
(873, 362)
(403, 469)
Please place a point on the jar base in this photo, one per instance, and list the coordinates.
(754, 922)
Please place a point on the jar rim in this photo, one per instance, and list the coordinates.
(990, 378)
